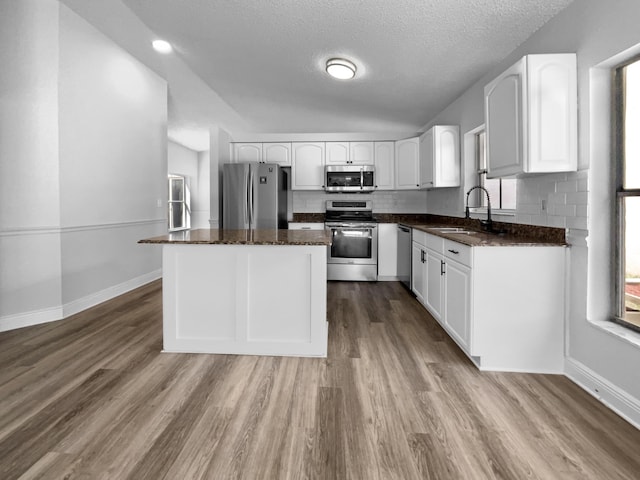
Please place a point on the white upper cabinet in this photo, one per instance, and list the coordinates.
(407, 164)
(384, 155)
(361, 153)
(307, 167)
(279, 153)
(247, 152)
(440, 157)
(531, 117)
(337, 153)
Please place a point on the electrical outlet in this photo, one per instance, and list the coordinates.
(159, 203)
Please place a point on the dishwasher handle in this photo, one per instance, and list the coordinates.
(404, 229)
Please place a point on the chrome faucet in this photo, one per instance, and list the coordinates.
(487, 224)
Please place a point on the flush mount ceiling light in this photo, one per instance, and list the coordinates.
(162, 46)
(340, 68)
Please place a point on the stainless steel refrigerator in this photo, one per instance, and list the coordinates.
(254, 195)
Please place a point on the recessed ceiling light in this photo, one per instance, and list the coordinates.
(340, 68)
(162, 46)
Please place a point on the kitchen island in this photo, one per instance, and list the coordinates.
(251, 292)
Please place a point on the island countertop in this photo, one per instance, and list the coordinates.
(212, 236)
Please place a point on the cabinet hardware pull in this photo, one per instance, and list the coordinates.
(422, 256)
(442, 272)
(455, 252)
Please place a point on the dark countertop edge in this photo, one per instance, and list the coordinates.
(149, 241)
(269, 237)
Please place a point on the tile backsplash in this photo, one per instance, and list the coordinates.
(383, 201)
(554, 200)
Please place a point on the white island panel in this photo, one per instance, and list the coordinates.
(245, 299)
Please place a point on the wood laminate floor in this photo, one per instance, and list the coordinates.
(92, 397)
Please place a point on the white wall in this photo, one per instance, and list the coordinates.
(30, 276)
(219, 154)
(200, 216)
(602, 361)
(83, 165)
(195, 167)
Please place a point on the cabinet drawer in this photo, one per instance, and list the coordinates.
(434, 243)
(418, 236)
(458, 252)
(305, 226)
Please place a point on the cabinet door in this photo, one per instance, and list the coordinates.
(503, 123)
(407, 164)
(426, 159)
(307, 169)
(247, 152)
(552, 113)
(279, 153)
(434, 282)
(387, 251)
(457, 308)
(446, 156)
(384, 154)
(417, 270)
(337, 153)
(361, 153)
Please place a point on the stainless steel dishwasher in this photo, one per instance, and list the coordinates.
(404, 255)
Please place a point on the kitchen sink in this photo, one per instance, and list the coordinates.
(456, 230)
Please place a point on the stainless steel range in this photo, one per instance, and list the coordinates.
(353, 254)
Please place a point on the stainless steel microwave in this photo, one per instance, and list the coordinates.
(349, 178)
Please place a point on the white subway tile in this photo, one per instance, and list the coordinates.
(577, 198)
(563, 210)
(557, 198)
(582, 210)
(556, 221)
(577, 222)
(568, 186)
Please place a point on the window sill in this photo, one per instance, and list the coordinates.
(499, 212)
(623, 333)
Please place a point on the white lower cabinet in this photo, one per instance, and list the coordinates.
(418, 269)
(434, 285)
(503, 305)
(457, 302)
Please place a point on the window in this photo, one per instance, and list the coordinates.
(501, 190)
(628, 195)
(179, 203)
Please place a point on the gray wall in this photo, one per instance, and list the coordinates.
(83, 159)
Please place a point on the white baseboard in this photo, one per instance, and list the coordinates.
(27, 319)
(11, 322)
(89, 301)
(625, 405)
(388, 278)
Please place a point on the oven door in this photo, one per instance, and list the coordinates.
(353, 244)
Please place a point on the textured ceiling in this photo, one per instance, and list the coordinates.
(265, 58)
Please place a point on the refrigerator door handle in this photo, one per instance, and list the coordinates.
(251, 212)
(247, 186)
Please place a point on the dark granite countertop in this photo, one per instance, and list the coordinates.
(512, 234)
(477, 238)
(242, 237)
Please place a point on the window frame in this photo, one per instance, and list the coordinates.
(185, 203)
(481, 177)
(620, 194)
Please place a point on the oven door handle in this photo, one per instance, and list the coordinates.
(352, 225)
